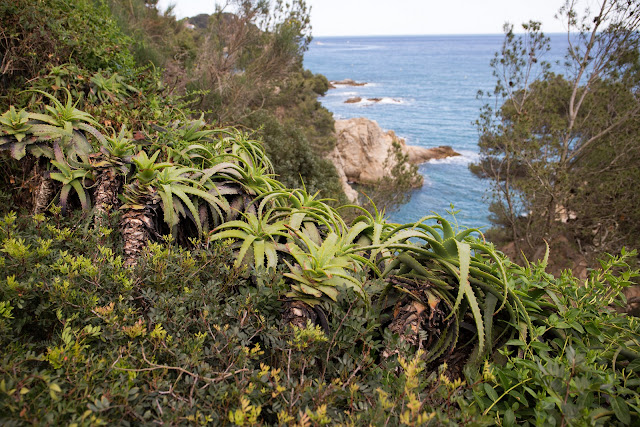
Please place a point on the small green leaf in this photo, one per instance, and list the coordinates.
(537, 345)
(509, 418)
(490, 392)
(621, 409)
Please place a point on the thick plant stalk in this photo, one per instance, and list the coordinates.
(135, 227)
(106, 195)
(43, 195)
(297, 313)
(406, 321)
(407, 318)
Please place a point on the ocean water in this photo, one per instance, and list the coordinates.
(428, 86)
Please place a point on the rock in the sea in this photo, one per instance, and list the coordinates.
(346, 82)
(419, 155)
(362, 153)
(353, 100)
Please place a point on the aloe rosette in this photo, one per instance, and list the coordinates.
(453, 275)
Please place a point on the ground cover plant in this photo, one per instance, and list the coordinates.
(153, 269)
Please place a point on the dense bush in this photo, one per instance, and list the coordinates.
(185, 338)
(37, 35)
(182, 338)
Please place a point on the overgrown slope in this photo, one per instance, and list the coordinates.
(153, 269)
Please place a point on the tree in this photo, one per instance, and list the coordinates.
(247, 54)
(561, 149)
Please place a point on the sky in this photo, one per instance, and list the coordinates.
(408, 17)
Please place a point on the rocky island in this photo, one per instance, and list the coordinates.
(362, 153)
(345, 82)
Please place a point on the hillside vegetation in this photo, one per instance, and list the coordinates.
(559, 142)
(155, 270)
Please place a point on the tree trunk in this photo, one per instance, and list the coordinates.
(297, 313)
(135, 226)
(43, 195)
(406, 322)
(106, 195)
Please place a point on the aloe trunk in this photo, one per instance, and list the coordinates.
(407, 319)
(135, 226)
(298, 313)
(44, 190)
(106, 194)
(137, 223)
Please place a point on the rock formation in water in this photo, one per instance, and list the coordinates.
(346, 82)
(356, 99)
(362, 153)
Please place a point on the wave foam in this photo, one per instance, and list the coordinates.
(366, 102)
(345, 86)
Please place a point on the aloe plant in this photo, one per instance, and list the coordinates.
(319, 270)
(73, 178)
(14, 128)
(111, 165)
(257, 180)
(15, 123)
(304, 212)
(258, 235)
(61, 120)
(461, 274)
(191, 144)
(179, 192)
(109, 89)
(62, 126)
(249, 152)
(140, 198)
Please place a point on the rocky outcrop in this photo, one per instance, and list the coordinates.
(346, 82)
(419, 155)
(356, 99)
(362, 153)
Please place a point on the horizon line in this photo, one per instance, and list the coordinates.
(423, 35)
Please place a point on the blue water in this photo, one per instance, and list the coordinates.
(429, 86)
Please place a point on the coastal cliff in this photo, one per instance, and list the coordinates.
(364, 153)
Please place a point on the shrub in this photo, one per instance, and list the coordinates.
(38, 35)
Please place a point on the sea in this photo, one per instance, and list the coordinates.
(428, 86)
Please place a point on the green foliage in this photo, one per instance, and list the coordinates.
(322, 269)
(72, 179)
(39, 35)
(295, 161)
(73, 323)
(581, 363)
(258, 233)
(454, 277)
(105, 320)
(80, 322)
(131, 96)
(559, 148)
(15, 123)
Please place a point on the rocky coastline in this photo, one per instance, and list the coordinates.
(363, 149)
